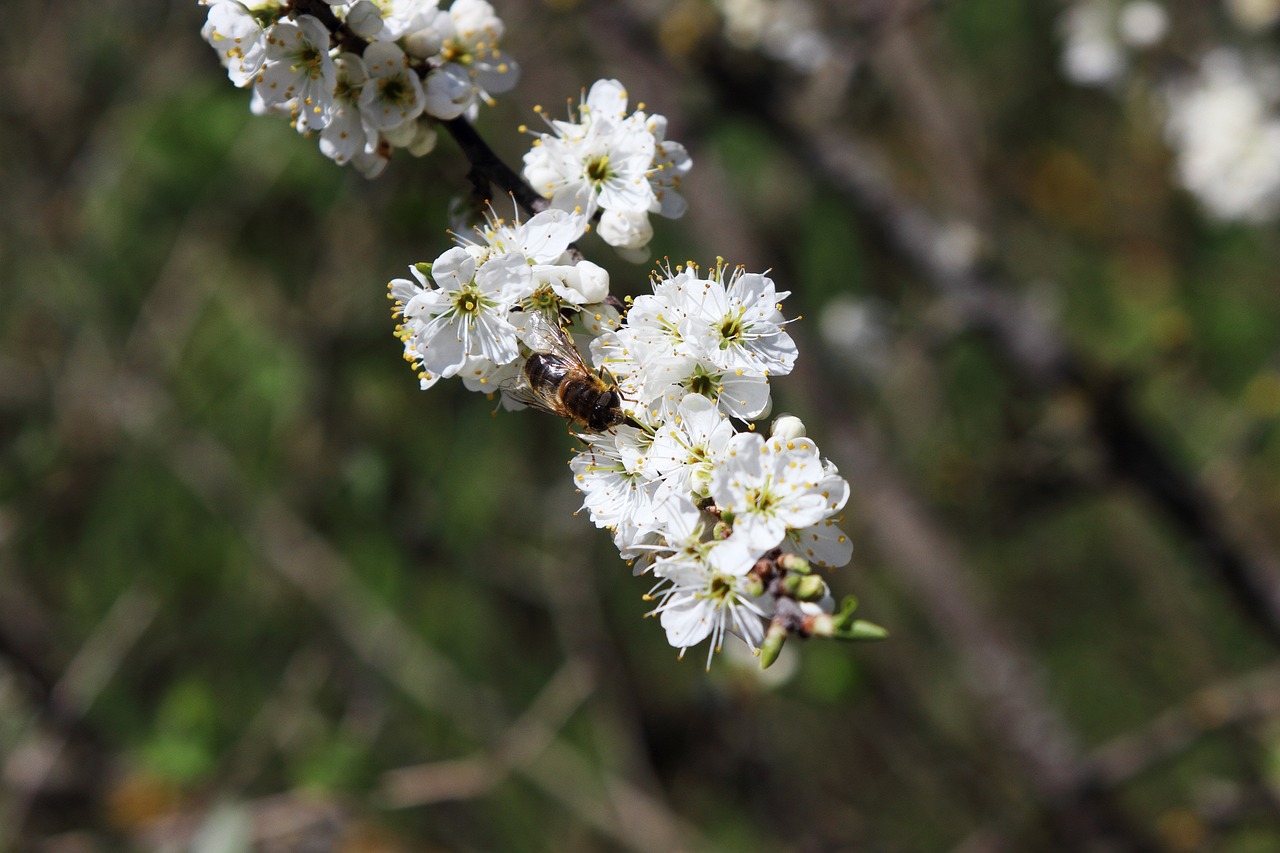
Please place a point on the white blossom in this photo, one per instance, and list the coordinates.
(347, 134)
(688, 445)
(239, 39)
(1224, 128)
(770, 487)
(695, 601)
(299, 71)
(606, 160)
(465, 316)
(462, 45)
(740, 326)
(393, 93)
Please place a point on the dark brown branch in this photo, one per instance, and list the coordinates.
(487, 168)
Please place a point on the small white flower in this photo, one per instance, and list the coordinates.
(696, 602)
(617, 494)
(299, 71)
(611, 161)
(688, 446)
(393, 94)
(769, 487)
(740, 326)
(346, 134)
(240, 40)
(462, 45)
(465, 318)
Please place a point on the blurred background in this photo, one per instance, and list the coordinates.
(258, 592)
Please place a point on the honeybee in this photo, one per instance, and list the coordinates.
(555, 379)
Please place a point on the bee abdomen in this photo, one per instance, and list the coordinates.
(544, 371)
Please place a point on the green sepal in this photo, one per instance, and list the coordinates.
(860, 629)
(423, 267)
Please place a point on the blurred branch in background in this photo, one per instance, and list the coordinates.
(314, 618)
(1031, 348)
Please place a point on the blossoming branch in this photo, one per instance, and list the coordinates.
(663, 390)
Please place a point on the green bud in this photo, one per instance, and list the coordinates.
(754, 586)
(861, 630)
(721, 530)
(794, 563)
(805, 587)
(423, 267)
(772, 645)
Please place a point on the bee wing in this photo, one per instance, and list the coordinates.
(541, 334)
(518, 389)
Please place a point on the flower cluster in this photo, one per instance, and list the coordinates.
(613, 163)
(729, 523)
(1225, 128)
(367, 77)
(464, 314)
(720, 336)
(1099, 35)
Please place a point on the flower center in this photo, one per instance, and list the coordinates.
(468, 302)
(394, 91)
(704, 383)
(312, 60)
(598, 170)
(731, 329)
(454, 52)
(761, 499)
(545, 299)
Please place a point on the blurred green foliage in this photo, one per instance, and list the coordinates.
(193, 334)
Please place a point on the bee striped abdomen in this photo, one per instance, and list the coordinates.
(545, 370)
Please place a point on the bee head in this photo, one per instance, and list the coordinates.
(607, 412)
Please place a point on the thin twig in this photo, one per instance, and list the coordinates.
(1254, 696)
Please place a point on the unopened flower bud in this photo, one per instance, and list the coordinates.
(861, 630)
(772, 645)
(793, 563)
(787, 427)
(593, 281)
(423, 43)
(364, 19)
(626, 229)
(753, 585)
(424, 139)
(805, 587)
(722, 530)
(400, 135)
